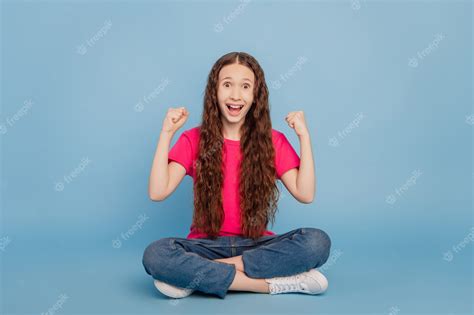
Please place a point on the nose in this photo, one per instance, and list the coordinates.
(235, 94)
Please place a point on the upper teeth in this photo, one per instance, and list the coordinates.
(236, 106)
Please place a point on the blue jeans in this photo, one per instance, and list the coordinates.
(188, 263)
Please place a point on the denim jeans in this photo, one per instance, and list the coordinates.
(188, 263)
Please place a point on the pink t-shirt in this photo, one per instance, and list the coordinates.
(185, 152)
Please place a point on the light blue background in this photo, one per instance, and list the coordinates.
(357, 61)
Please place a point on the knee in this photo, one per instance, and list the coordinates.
(156, 256)
(319, 245)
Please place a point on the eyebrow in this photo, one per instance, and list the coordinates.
(231, 79)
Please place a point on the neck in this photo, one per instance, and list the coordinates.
(231, 131)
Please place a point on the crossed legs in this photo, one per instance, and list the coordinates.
(241, 281)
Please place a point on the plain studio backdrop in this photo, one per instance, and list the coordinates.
(386, 88)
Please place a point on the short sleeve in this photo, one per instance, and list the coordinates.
(181, 152)
(286, 157)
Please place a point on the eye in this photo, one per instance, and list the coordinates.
(246, 86)
(226, 84)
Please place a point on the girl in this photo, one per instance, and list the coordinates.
(235, 158)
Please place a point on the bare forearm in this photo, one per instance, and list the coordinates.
(306, 181)
(159, 176)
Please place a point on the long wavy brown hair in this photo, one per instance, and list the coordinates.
(258, 191)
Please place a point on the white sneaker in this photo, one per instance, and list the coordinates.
(171, 290)
(309, 282)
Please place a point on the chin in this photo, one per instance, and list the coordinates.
(234, 119)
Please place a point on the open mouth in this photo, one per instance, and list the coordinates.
(234, 109)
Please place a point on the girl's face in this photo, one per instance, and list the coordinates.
(235, 89)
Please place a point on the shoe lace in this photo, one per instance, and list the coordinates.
(285, 284)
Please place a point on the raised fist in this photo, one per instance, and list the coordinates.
(175, 118)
